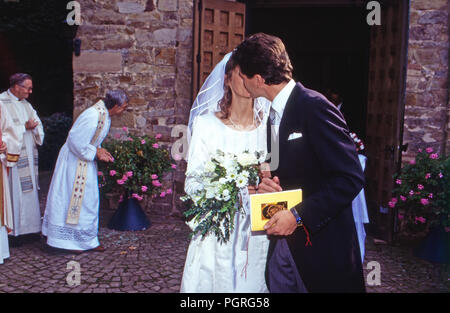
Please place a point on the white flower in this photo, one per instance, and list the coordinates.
(223, 181)
(231, 176)
(210, 167)
(245, 174)
(226, 195)
(229, 164)
(241, 181)
(210, 192)
(246, 159)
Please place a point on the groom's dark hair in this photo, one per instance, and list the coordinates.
(265, 55)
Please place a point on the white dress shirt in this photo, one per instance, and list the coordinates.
(278, 105)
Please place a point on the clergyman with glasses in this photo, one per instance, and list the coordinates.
(22, 131)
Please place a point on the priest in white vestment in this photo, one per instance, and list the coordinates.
(71, 214)
(5, 206)
(22, 132)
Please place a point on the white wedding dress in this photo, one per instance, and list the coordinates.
(239, 264)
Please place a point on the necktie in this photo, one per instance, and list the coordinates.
(274, 120)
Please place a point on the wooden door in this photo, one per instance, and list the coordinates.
(219, 26)
(385, 107)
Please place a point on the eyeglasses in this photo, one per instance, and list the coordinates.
(27, 88)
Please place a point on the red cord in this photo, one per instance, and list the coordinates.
(308, 240)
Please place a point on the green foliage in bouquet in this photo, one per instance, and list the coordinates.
(214, 204)
(422, 192)
(139, 164)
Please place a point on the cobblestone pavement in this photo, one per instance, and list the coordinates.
(152, 261)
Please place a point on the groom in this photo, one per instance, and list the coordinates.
(314, 246)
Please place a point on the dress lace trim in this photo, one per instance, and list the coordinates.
(69, 233)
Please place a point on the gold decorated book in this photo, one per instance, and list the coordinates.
(265, 205)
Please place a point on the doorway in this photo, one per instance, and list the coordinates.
(35, 39)
(332, 46)
(328, 47)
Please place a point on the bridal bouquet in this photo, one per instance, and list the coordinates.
(214, 205)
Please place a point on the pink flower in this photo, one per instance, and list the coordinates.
(163, 194)
(420, 187)
(391, 204)
(156, 183)
(154, 176)
(112, 173)
(177, 157)
(424, 201)
(427, 175)
(124, 177)
(430, 195)
(144, 188)
(143, 141)
(420, 219)
(429, 150)
(441, 175)
(121, 198)
(419, 150)
(130, 139)
(398, 181)
(411, 192)
(169, 191)
(99, 173)
(394, 200)
(403, 198)
(158, 136)
(137, 197)
(129, 174)
(173, 166)
(117, 136)
(400, 216)
(155, 145)
(120, 182)
(434, 156)
(125, 129)
(412, 162)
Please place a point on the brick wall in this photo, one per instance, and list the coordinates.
(427, 101)
(145, 48)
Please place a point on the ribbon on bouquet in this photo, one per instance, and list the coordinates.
(245, 230)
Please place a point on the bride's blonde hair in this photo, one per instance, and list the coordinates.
(225, 102)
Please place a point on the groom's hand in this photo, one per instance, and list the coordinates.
(269, 185)
(283, 223)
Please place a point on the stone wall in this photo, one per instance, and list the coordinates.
(427, 107)
(145, 48)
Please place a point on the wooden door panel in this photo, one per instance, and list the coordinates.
(219, 26)
(387, 72)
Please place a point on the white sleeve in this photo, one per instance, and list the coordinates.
(81, 134)
(38, 131)
(198, 155)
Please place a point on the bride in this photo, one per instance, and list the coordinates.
(225, 117)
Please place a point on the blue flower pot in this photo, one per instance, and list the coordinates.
(129, 216)
(435, 247)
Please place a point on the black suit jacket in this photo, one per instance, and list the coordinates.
(324, 163)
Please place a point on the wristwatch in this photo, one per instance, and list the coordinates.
(298, 219)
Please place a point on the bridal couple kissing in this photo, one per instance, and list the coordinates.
(250, 103)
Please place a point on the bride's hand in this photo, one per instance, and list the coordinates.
(264, 170)
(270, 185)
(252, 190)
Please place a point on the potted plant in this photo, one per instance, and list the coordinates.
(138, 167)
(422, 198)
